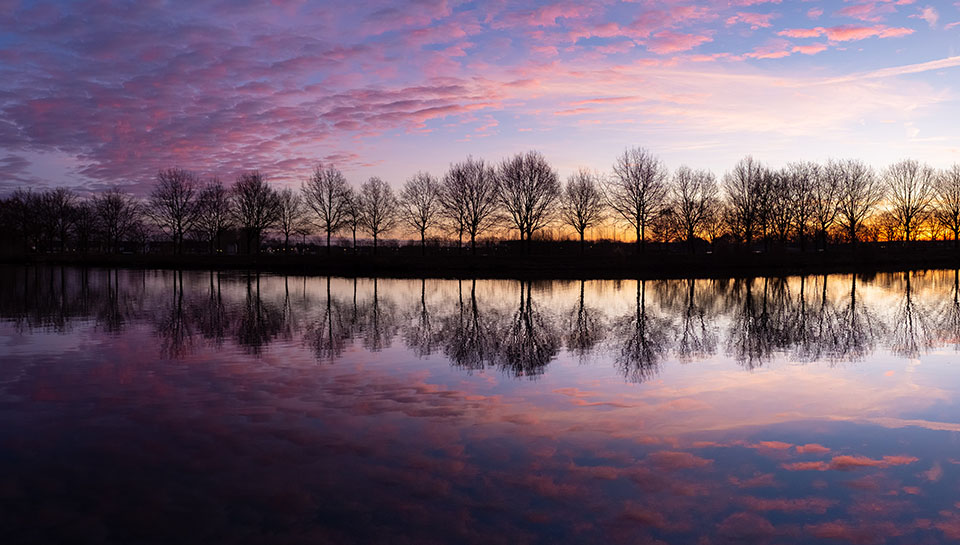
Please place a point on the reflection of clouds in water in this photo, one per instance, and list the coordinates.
(237, 435)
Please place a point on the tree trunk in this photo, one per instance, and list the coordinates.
(423, 243)
(581, 248)
(328, 242)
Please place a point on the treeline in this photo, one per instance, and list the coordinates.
(804, 205)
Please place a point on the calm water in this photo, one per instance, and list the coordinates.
(158, 406)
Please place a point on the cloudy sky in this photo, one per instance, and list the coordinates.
(96, 94)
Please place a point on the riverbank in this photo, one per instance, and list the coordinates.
(653, 264)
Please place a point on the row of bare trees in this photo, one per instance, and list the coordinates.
(836, 201)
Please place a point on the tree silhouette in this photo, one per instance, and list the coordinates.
(420, 205)
(256, 207)
(328, 195)
(174, 204)
(527, 189)
(582, 204)
(637, 191)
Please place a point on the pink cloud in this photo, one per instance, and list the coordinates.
(669, 460)
(804, 505)
(754, 20)
(814, 13)
(812, 448)
(848, 463)
(928, 14)
(776, 49)
(802, 32)
(873, 12)
(846, 33)
(672, 42)
(811, 49)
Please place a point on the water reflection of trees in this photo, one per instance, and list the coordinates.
(420, 335)
(331, 330)
(259, 321)
(641, 339)
(913, 326)
(468, 338)
(584, 327)
(529, 341)
(518, 328)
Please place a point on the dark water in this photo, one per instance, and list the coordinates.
(156, 407)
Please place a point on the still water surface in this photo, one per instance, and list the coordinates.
(154, 406)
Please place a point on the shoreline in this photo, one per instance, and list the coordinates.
(653, 265)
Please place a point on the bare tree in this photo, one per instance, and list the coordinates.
(256, 207)
(326, 193)
(780, 204)
(946, 204)
(117, 215)
(469, 198)
(527, 188)
(911, 188)
(453, 200)
(802, 186)
(637, 191)
(745, 189)
(215, 215)
(860, 192)
(420, 205)
(293, 216)
(85, 225)
(59, 207)
(174, 204)
(825, 199)
(693, 194)
(582, 203)
(353, 214)
(379, 206)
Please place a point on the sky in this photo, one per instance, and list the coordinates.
(95, 94)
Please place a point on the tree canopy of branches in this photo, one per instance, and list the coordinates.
(946, 204)
(802, 179)
(60, 209)
(420, 204)
(637, 191)
(353, 214)
(527, 188)
(469, 199)
(215, 214)
(327, 194)
(911, 188)
(693, 198)
(860, 192)
(745, 189)
(378, 206)
(117, 216)
(256, 207)
(582, 204)
(292, 219)
(174, 204)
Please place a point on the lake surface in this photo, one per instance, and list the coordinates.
(158, 406)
